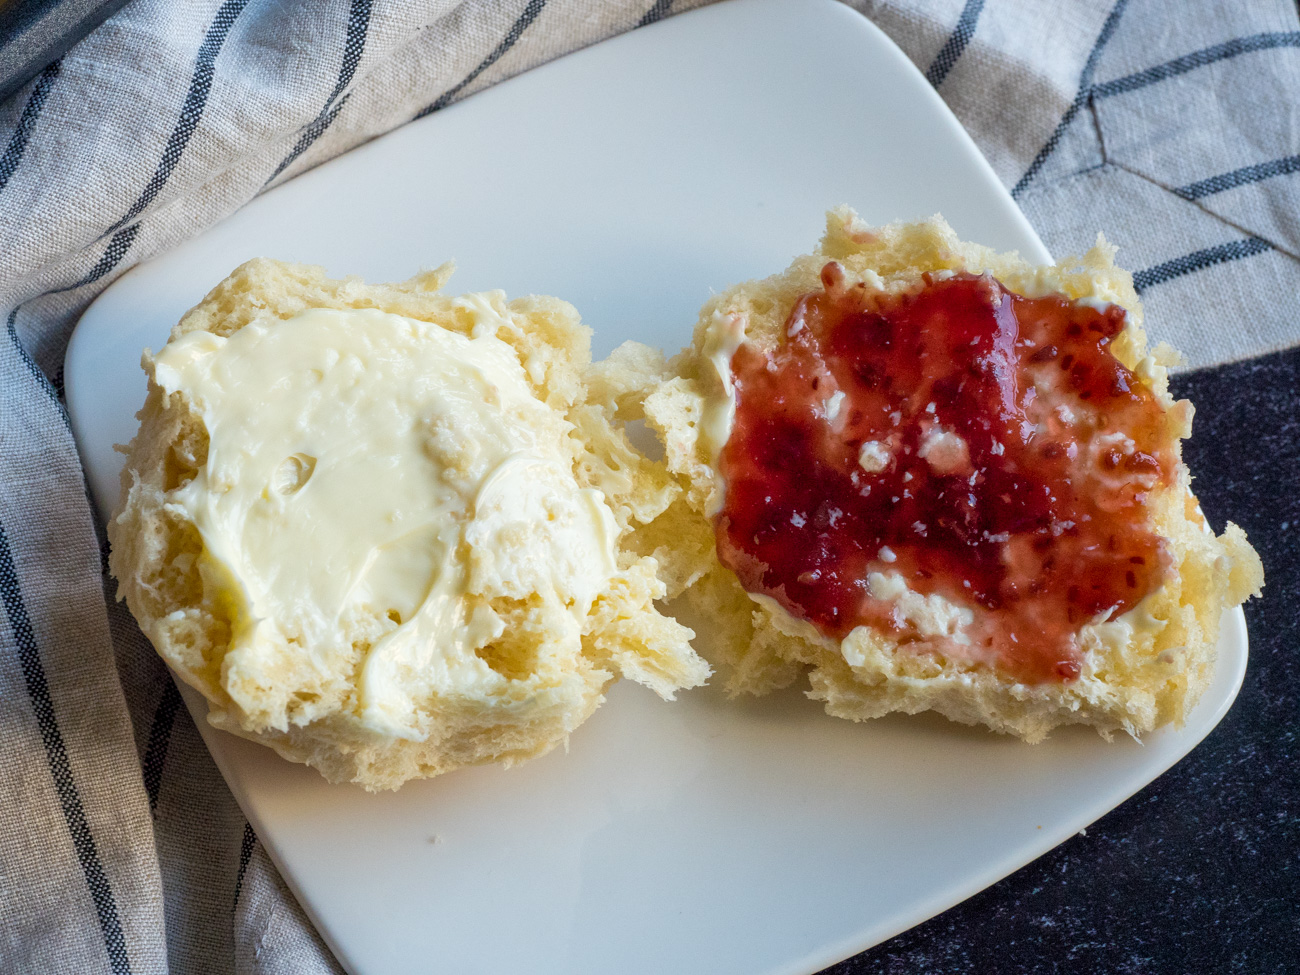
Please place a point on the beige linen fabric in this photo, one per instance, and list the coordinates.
(1171, 124)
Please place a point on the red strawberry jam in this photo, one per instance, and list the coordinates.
(985, 447)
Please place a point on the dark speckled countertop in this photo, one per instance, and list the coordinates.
(1200, 871)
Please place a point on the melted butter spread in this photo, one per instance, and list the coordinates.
(375, 481)
(723, 336)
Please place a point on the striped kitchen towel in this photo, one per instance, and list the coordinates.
(1172, 124)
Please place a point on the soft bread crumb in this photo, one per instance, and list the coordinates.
(618, 383)
(306, 718)
(1131, 683)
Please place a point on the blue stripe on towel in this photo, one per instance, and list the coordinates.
(953, 48)
(354, 46)
(1199, 260)
(516, 31)
(26, 122)
(56, 753)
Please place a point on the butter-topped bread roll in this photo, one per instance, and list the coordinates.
(934, 477)
(381, 528)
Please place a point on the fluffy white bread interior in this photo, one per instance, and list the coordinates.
(544, 681)
(1137, 674)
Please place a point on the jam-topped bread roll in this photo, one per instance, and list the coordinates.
(938, 478)
(382, 528)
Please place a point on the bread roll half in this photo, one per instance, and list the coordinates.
(382, 529)
(993, 608)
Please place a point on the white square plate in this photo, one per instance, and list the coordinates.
(705, 836)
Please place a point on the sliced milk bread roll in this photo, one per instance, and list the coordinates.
(934, 477)
(381, 528)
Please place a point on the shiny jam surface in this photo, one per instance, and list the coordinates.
(987, 448)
